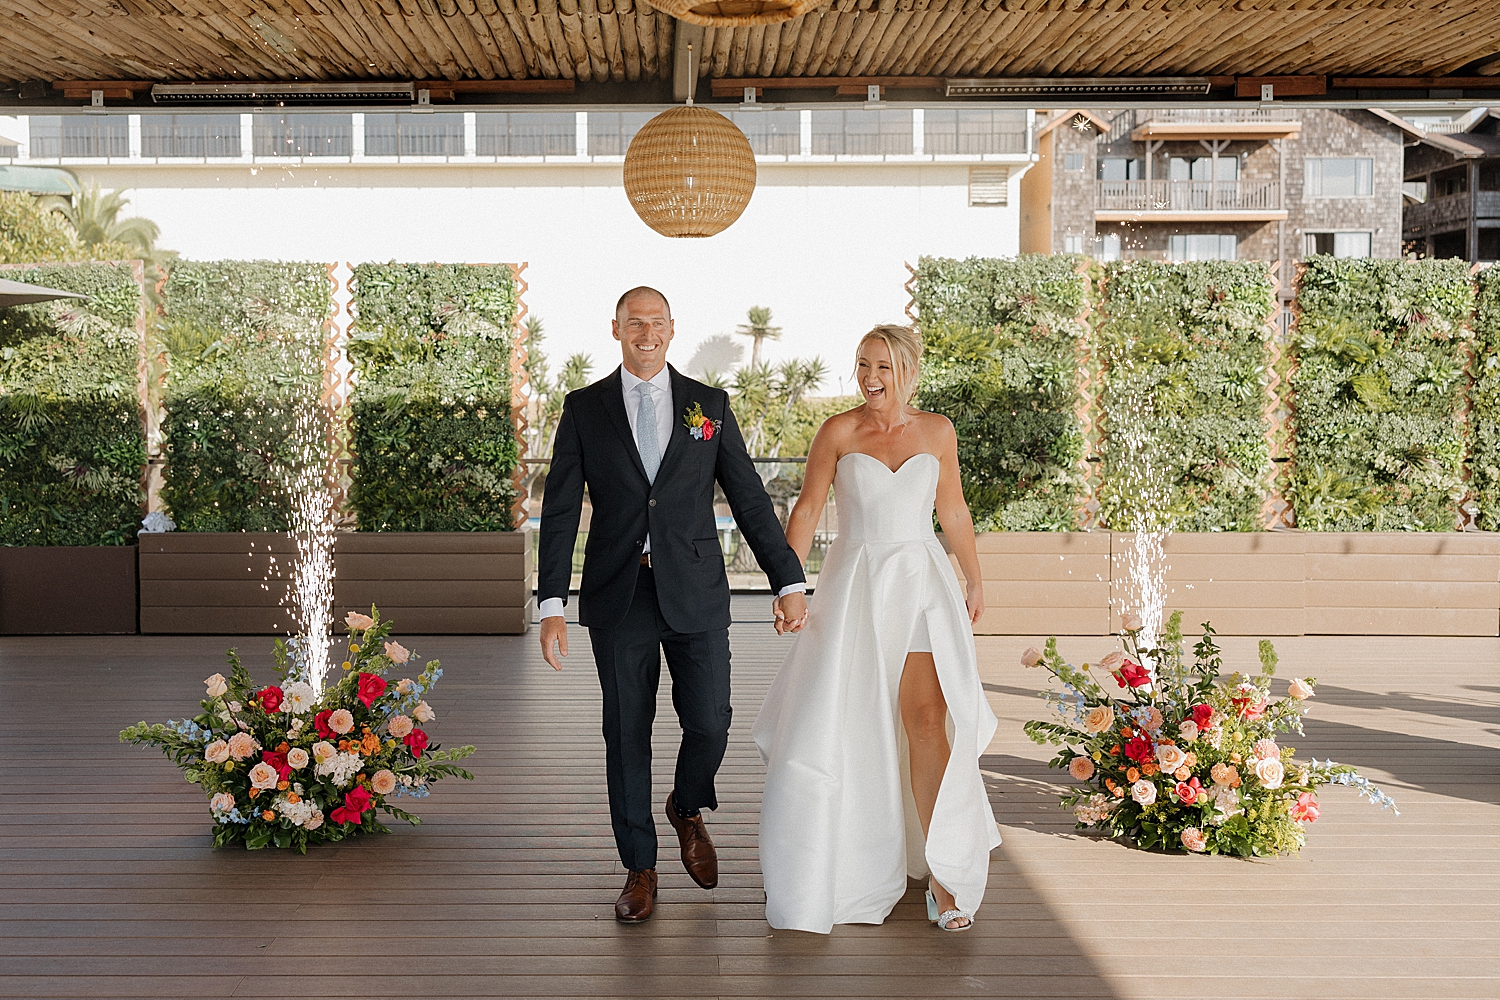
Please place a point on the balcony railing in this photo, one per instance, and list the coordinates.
(195, 136)
(54, 137)
(1187, 196)
(1127, 122)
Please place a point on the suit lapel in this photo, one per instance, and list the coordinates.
(614, 405)
(679, 436)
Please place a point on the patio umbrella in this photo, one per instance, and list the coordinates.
(19, 293)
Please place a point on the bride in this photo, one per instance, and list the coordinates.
(873, 728)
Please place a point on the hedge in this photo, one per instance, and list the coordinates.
(1378, 387)
(430, 421)
(1002, 340)
(245, 342)
(1182, 399)
(72, 444)
(1484, 400)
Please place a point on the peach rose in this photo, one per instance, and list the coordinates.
(358, 622)
(216, 752)
(1031, 657)
(341, 721)
(263, 776)
(1193, 839)
(1112, 661)
(222, 802)
(423, 712)
(400, 726)
(1131, 622)
(322, 750)
(397, 653)
(383, 782)
(1170, 757)
(241, 745)
(1098, 719)
(1224, 774)
(296, 758)
(314, 821)
(1188, 731)
(1270, 772)
(1300, 689)
(1153, 721)
(404, 685)
(1144, 792)
(1081, 768)
(217, 686)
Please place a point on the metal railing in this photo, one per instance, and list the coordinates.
(1187, 196)
(194, 136)
(771, 133)
(409, 135)
(519, 133)
(54, 136)
(973, 132)
(304, 135)
(861, 133)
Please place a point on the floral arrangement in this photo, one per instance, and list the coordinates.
(284, 766)
(700, 427)
(1179, 757)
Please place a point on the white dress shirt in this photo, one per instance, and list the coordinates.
(631, 387)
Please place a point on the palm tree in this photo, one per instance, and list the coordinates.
(758, 329)
(95, 217)
(796, 379)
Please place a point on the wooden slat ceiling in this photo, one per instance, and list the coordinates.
(626, 40)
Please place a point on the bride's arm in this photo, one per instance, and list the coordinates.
(958, 524)
(822, 462)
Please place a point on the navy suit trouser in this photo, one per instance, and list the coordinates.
(628, 658)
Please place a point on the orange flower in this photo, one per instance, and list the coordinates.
(282, 786)
(1119, 792)
(1148, 768)
(1168, 743)
(1115, 750)
(1126, 732)
(1182, 774)
(359, 779)
(294, 798)
(268, 815)
(283, 746)
(254, 791)
(370, 744)
(1109, 783)
(1132, 775)
(1191, 760)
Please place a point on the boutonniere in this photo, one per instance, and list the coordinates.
(700, 427)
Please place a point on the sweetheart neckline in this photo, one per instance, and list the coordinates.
(887, 468)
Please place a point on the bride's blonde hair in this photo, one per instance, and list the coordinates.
(905, 345)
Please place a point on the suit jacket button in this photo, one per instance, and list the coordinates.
(652, 502)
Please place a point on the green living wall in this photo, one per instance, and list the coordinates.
(1002, 344)
(244, 342)
(430, 419)
(1184, 370)
(1378, 394)
(72, 445)
(1484, 417)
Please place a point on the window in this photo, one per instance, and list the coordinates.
(1201, 168)
(414, 135)
(771, 133)
(1453, 182)
(1072, 244)
(973, 132)
(1073, 163)
(1109, 248)
(1489, 244)
(1339, 244)
(8, 149)
(55, 136)
(190, 135)
(610, 132)
(1202, 247)
(1415, 190)
(1338, 176)
(861, 133)
(1455, 244)
(303, 135)
(1118, 168)
(989, 186)
(519, 133)
(1489, 176)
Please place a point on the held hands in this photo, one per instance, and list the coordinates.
(791, 612)
(974, 600)
(554, 640)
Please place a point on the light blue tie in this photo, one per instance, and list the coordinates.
(645, 431)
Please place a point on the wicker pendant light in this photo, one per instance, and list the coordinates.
(689, 172)
(736, 13)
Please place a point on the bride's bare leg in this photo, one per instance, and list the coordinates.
(924, 714)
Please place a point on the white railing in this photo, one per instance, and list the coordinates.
(1127, 122)
(1187, 196)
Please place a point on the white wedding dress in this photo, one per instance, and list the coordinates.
(839, 833)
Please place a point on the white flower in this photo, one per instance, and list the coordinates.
(1170, 758)
(297, 698)
(1131, 622)
(322, 750)
(1112, 660)
(1031, 657)
(263, 776)
(1270, 772)
(1188, 731)
(423, 712)
(1300, 689)
(1226, 803)
(216, 685)
(299, 812)
(1094, 808)
(235, 706)
(1144, 792)
(296, 758)
(341, 767)
(315, 821)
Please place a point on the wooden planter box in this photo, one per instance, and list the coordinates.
(68, 590)
(1252, 583)
(427, 582)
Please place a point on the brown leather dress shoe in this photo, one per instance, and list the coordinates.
(698, 854)
(636, 902)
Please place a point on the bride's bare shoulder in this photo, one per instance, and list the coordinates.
(939, 427)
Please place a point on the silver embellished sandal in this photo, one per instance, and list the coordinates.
(944, 919)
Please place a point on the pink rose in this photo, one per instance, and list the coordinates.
(1170, 758)
(1112, 661)
(1186, 793)
(1305, 809)
(1193, 839)
(1031, 657)
(1144, 792)
(358, 622)
(1081, 768)
(423, 712)
(1131, 622)
(1269, 772)
(396, 652)
(296, 758)
(1153, 721)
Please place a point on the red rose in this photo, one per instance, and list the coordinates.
(1186, 793)
(370, 688)
(1133, 674)
(356, 801)
(708, 430)
(1202, 714)
(417, 740)
(278, 761)
(270, 699)
(320, 723)
(1138, 749)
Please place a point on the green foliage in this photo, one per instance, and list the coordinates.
(72, 446)
(1381, 349)
(1001, 340)
(1484, 398)
(245, 342)
(1184, 368)
(434, 446)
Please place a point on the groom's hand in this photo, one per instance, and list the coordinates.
(554, 640)
(791, 612)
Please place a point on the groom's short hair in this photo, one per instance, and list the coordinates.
(643, 290)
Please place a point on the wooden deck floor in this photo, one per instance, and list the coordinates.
(110, 887)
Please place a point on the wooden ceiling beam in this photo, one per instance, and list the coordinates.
(734, 86)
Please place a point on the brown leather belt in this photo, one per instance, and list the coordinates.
(646, 559)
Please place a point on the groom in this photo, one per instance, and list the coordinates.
(649, 444)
